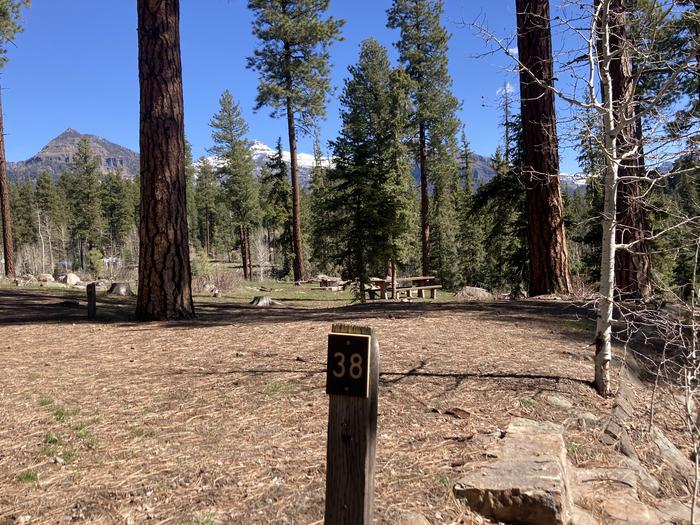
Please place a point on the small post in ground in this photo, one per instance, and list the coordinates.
(92, 300)
(352, 384)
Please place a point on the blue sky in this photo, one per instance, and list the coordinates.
(75, 66)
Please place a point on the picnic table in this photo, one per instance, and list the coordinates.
(414, 284)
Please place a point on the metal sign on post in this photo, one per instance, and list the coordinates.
(352, 384)
(349, 362)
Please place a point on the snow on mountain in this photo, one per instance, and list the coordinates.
(262, 153)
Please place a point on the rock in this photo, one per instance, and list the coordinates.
(623, 511)
(614, 493)
(646, 480)
(412, 518)
(69, 279)
(527, 484)
(122, 289)
(46, 278)
(675, 513)
(475, 294)
(584, 421)
(558, 402)
(670, 452)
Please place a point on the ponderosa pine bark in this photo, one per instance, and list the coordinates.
(549, 264)
(633, 265)
(5, 205)
(297, 244)
(164, 288)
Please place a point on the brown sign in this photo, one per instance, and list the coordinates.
(348, 365)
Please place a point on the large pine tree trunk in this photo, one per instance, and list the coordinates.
(298, 264)
(549, 264)
(165, 278)
(632, 266)
(5, 204)
(424, 199)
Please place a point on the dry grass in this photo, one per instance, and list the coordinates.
(223, 420)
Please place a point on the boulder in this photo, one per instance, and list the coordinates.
(527, 483)
(475, 294)
(558, 402)
(583, 421)
(46, 278)
(69, 279)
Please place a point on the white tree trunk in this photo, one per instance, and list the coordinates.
(604, 313)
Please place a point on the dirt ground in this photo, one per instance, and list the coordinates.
(223, 420)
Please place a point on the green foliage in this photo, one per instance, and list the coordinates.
(501, 201)
(323, 241)
(95, 264)
(236, 171)
(209, 206)
(422, 47)
(276, 196)
(201, 264)
(471, 237)
(81, 188)
(118, 202)
(9, 24)
(190, 174)
(372, 206)
(24, 216)
(292, 59)
(28, 476)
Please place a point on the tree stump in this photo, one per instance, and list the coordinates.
(264, 301)
(120, 289)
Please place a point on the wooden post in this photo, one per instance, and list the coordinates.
(92, 300)
(352, 432)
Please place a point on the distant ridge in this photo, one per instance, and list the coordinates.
(56, 156)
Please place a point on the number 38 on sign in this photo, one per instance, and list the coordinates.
(348, 365)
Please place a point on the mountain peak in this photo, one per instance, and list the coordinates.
(70, 132)
(55, 158)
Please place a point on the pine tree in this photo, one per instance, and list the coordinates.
(236, 172)
(24, 219)
(116, 199)
(9, 27)
(278, 207)
(373, 198)
(292, 61)
(501, 204)
(322, 240)
(81, 187)
(165, 277)
(190, 173)
(207, 195)
(422, 49)
(471, 234)
(549, 264)
(50, 202)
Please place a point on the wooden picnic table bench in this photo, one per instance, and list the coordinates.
(418, 284)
